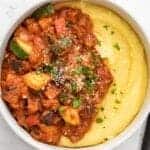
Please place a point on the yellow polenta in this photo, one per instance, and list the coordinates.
(125, 54)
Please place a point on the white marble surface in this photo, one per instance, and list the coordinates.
(9, 10)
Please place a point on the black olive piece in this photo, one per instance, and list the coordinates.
(51, 118)
(35, 93)
(48, 117)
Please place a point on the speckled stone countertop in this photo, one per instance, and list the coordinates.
(9, 9)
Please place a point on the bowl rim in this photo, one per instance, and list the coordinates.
(128, 131)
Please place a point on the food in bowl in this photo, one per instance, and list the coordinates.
(74, 74)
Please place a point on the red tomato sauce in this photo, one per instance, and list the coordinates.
(63, 46)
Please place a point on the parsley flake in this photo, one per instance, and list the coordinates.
(106, 27)
(117, 101)
(116, 46)
(102, 108)
(112, 32)
(99, 120)
(76, 102)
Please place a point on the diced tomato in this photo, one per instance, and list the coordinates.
(13, 89)
(50, 134)
(51, 103)
(33, 105)
(51, 92)
(60, 26)
(38, 42)
(32, 120)
(33, 26)
(45, 23)
(104, 73)
(90, 40)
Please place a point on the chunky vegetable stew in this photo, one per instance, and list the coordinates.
(53, 78)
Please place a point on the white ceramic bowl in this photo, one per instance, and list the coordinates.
(136, 123)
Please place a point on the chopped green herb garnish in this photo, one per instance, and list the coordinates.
(114, 70)
(106, 27)
(64, 42)
(114, 84)
(61, 110)
(63, 97)
(99, 120)
(121, 92)
(116, 46)
(86, 71)
(102, 108)
(95, 58)
(78, 59)
(44, 11)
(112, 32)
(105, 139)
(99, 43)
(83, 70)
(89, 84)
(113, 91)
(117, 101)
(48, 68)
(76, 102)
(74, 87)
(78, 70)
(90, 77)
(17, 50)
(55, 71)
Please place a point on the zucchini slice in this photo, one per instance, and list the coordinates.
(18, 50)
(26, 47)
(43, 11)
